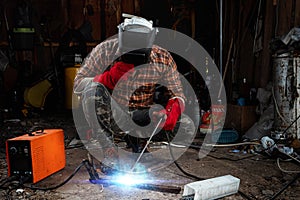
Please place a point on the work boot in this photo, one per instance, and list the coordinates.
(136, 144)
(109, 165)
(138, 148)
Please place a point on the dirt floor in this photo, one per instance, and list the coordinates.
(260, 175)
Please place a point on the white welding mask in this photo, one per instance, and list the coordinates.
(136, 37)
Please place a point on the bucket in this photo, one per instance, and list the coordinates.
(224, 136)
(71, 99)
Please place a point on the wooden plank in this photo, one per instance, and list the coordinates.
(95, 19)
(264, 67)
(112, 16)
(76, 13)
(240, 118)
(297, 13)
(128, 6)
(284, 17)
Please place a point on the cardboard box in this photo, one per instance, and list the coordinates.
(241, 118)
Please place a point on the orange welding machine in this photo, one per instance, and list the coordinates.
(36, 155)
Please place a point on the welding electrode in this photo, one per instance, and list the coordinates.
(148, 141)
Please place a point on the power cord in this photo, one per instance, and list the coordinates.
(285, 130)
(283, 170)
(7, 180)
(298, 175)
(177, 165)
(245, 143)
(23, 179)
(83, 163)
(285, 187)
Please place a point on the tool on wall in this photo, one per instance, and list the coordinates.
(20, 35)
(102, 20)
(66, 55)
(11, 52)
(86, 28)
(36, 92)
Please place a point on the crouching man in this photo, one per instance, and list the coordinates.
(117, 83)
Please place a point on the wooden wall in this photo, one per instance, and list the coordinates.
(253, 25)
(70, 14)
(241, 22)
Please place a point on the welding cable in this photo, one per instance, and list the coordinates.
(192, 175)
(228, 145)
(177, 165)
(9, 190)
(234, 160)
(61, 184)
(15, 183)
(285, 130)
(288, 184)
(231, 145)
(285, 187)
(8, 180)
(298, 175)
(221, 145)
(19, 182)
(288, 155)
(74, 146)
(283, 170)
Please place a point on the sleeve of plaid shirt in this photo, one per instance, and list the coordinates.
(171, 75)
(97, 61)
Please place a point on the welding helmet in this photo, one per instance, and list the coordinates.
(136, 36)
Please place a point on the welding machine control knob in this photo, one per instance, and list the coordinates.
(13, 150)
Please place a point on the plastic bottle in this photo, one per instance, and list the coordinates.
(244, 90)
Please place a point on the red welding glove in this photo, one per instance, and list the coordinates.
(111, 77)
(174, 108)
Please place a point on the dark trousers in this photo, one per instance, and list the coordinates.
(107, 118)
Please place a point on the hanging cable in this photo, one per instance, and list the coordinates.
(276, 107)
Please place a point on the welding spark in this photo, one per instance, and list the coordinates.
(130, 179)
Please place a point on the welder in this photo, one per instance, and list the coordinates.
(117, 81)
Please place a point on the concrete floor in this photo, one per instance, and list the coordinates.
(260, 177)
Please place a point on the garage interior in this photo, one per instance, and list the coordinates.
(254, 45)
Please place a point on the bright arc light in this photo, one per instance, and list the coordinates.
(130, 179)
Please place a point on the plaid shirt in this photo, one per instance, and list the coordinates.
(138, 90)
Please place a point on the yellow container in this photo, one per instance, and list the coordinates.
(71, 99)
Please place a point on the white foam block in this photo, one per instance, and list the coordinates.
(212, 188)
